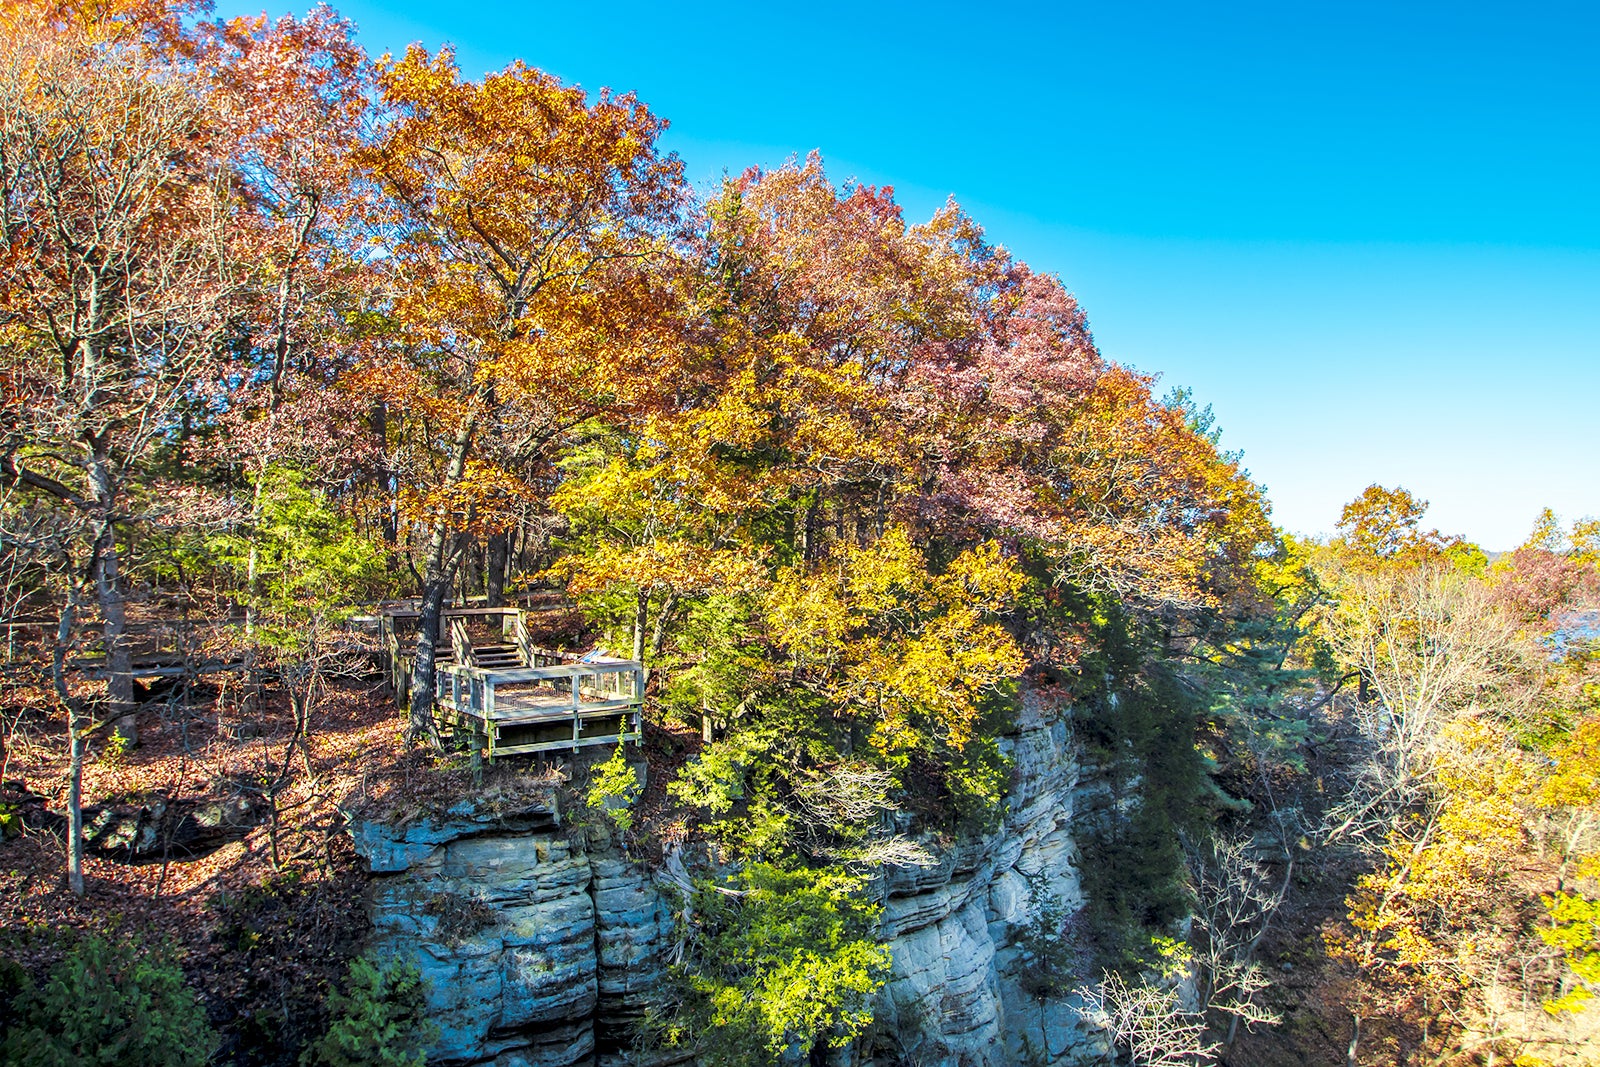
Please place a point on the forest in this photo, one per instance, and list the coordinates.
(289, 332)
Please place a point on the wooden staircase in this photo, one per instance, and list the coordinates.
(498, 657)
(500, 645)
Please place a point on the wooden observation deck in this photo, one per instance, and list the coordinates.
(502, 695)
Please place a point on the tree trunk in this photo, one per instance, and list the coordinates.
(808, 532)
(389, 519)
(58, 671)
(436, 576)
(663, 617)
(435, 586)
(494, 578)
(119, 658)
(74, 801)
(641, 615)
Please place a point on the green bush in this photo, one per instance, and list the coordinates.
(380, 1020)
(783, 962)
(613, 787)
(109, 1005)
(1138, 729)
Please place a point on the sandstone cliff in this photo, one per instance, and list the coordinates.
(542, 952)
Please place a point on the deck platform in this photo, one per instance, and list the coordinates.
(542, 709)
(505, 696)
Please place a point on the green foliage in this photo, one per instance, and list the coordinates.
(1170, 958)
(613, 788)
(738, 786)
(1051, 946)
(1140, 729)
(10, 820)
(380, 1020)
(300, 564)
(13, 983)
(977, 782)
(716, 781)
(874, 658)
(914, 653)
(783, 960)
(115, 750)
(109, 1005)
(1575, 930)
(717, 665)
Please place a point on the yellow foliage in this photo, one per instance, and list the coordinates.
(910, 652)
(1574, 781)
(482, 501)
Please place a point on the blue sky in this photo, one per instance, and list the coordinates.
(1367, 234)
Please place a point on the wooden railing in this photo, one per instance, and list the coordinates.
(396, 666)
(519, 637)
(461, 642)
(535, 709)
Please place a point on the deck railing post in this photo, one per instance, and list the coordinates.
(577, 722)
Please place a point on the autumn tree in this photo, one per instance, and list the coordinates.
(292, 96)
(119, 280)
(171, 275)
(1386, 524)
(908, 658)
(119, 284)
(1471, 780)
(1045, 438)
(1433, 650)
(517, 220)
(640, 550)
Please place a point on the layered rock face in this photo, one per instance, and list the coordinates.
(537, 954)
(959, 992)
(541, 954)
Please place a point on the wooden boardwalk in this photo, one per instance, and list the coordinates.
(504, 696)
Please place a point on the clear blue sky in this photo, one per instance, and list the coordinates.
(1368, 234)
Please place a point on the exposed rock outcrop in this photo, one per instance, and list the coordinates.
(536, 953)
(540, 953)
(152, 828)
(959, 991)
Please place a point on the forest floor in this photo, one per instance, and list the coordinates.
(219, 840)
(1306, 986)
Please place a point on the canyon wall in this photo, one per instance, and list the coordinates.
(542, 947)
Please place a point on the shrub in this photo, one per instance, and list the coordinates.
(380, 1020)
(613, 787)
(109, 1005)
(784, 962)
(282, 944)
